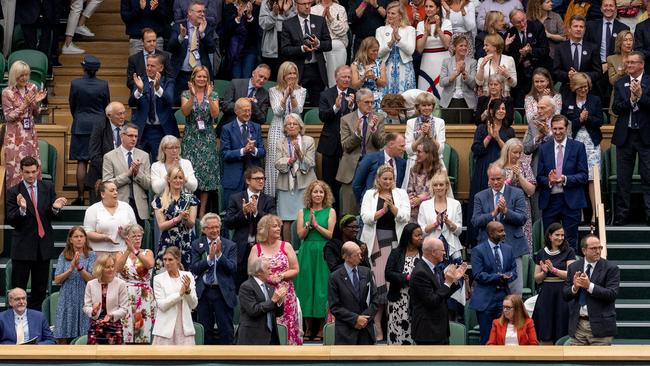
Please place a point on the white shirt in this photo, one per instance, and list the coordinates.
(125, 152)
(583, 309)
(603, 41)
(511, 336)
(99, 219)
(22, 320)
(558, 188)
(240, 124)
(388, 158)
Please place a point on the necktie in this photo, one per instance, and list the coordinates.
(129, 160)
(390, 162)
(344, 104)
(523, 38)
(497, 197)
(194, 44)
(244, 133)
(152, 103)
(582, 299)
(116, 137)
(41, 230)
(364, 131)
(608, 37)
(269, 320)
(251, 92)
(439, 275)
(559, 161)
(634, 122)
(210, 276)
(497, 259)
(355, 279)
(307, 34)
(576, 57)
(20, 331)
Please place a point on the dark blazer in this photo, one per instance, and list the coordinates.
(242, 225)
(226, 267)
(364, 177)
(234, 164)
(394, 273)
(483, 103)
(88, 100)
(136, 65)
(346, 305)
(178, 48)
(38, 327)
(334, 258)
(486, 278)
(574, 168)
(329, 142)
(29, 11)
(101, 142)
(135, 19)
(213, 10)
(525, 335)
(623, 109)
(641, 40)
(589, 63)
(254, 307)
(606, 278)
(594, 121)
(25, 243)
(239, 89)
(594, 33)
(429, 314)
(291, 40)
(536, 37)
(163, 106)
(513, 222)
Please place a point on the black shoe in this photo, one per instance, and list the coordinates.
(56, 63)
(78, 202)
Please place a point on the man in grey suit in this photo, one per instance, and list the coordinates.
(353, 299)
(129, 168)
(507, 205)
(260, 305)
(252, 89)
(362, 132)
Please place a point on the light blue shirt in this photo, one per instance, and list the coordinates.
(212, 265)
(492, 245)
(18, 319)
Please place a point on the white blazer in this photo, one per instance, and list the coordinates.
(166, 300)
(491, 69)
(159, 176)
(406, 43)
(369, 207)
(427, 216)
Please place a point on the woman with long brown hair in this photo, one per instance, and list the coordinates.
(514, 327)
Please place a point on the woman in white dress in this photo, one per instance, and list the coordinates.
(495, 62)
(396, 47)
(337, 23)
(286, 97)
(433, 38)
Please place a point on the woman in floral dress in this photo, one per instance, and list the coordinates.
(134, 266)
(369, 70)
(283, 264)
(175, 212)
(396, 47)
(200, 105)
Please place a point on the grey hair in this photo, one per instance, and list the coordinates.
(362, 93)
(131, 228)
(11, 292)
(496, 166)
(165, 142)
(548, 100)
(296, 117)
(109, 108)
(126, 127)
(210, 216)
(256, 266)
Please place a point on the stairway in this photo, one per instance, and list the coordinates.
(111, 46)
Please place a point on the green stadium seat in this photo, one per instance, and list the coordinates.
(37, 61)
(220, 86)
(457, 334)
(269, 84)
(329, 336)
(199, 334)
(81, 340)
(49, 307)
(283, 334)
(49, 156)
(295, 239)
(312, 118)
(451, 161)
(180, 117)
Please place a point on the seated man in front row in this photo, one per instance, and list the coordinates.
(19, 325)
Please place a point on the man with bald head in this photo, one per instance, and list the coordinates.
(104, 138)
(352, 298)
(430, 288)
(20, 325)
(493, 269)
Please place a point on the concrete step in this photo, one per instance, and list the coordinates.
(109, 6)
(100, 48)
(628, 251)
(628, 234)
(108, 61)
(633, 310)
(105, 18)
(106, 32)
(112, 80)
(634, 270)
(633, 329)
(634, 290)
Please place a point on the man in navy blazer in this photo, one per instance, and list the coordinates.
(561, 195)
(153, 96)
(632, 133)
(492, 274)
(33, 323)
(214, 264)
(391, 154)
(241, 147)
(507, 205)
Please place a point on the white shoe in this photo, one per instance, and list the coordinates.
(84, 31)
(71, 49)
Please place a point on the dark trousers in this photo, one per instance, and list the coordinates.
(39, 269)
(557, 211)
(329, 166)
(181, 85)
(242, 264)
(457, 112)
(311, 80)
(135, 210)
(626, 155)
(486, 317)
(150, 140)
(42, 43)
(212, 306)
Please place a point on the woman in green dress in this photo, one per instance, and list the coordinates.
(315, 226)
(200, 106)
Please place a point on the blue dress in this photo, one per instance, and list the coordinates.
(71, 322)
(180, 235)
(401, 76)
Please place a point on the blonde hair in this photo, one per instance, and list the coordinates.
(166, 196)
(167, 141)
(175, 252)
(264, 225)
(440, 175)
(380, 171)
(198, 69)
(361, 57)
(504, 158)
(282, 71)
(100, 263)
(16, 70)
(578, 80)
(327, 200)
(402, 13)
(424, 98)
(496, 41)
(491, 18)
(619, 41)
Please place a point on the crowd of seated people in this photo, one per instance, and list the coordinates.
(478, 61)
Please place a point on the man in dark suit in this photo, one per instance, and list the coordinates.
(104, 138)
(591, 289)
(391, 154)
(335, 103)
(642, 39)
(507, 205)
(153, 96)
(603, 32)
(138, 61)
(632, 134)
(260, 305)
(303, 40)
(245, 209)
(31, 206)
(139, 16)
(214, 263)
(575, 55)
(562, 175)
(190, 43)
(429, 288)
(365, 17)
(352, 298)
(253, 89)
(28, 15)
(19, 325)
(527, 43)
(241, 148)
(493, 268)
